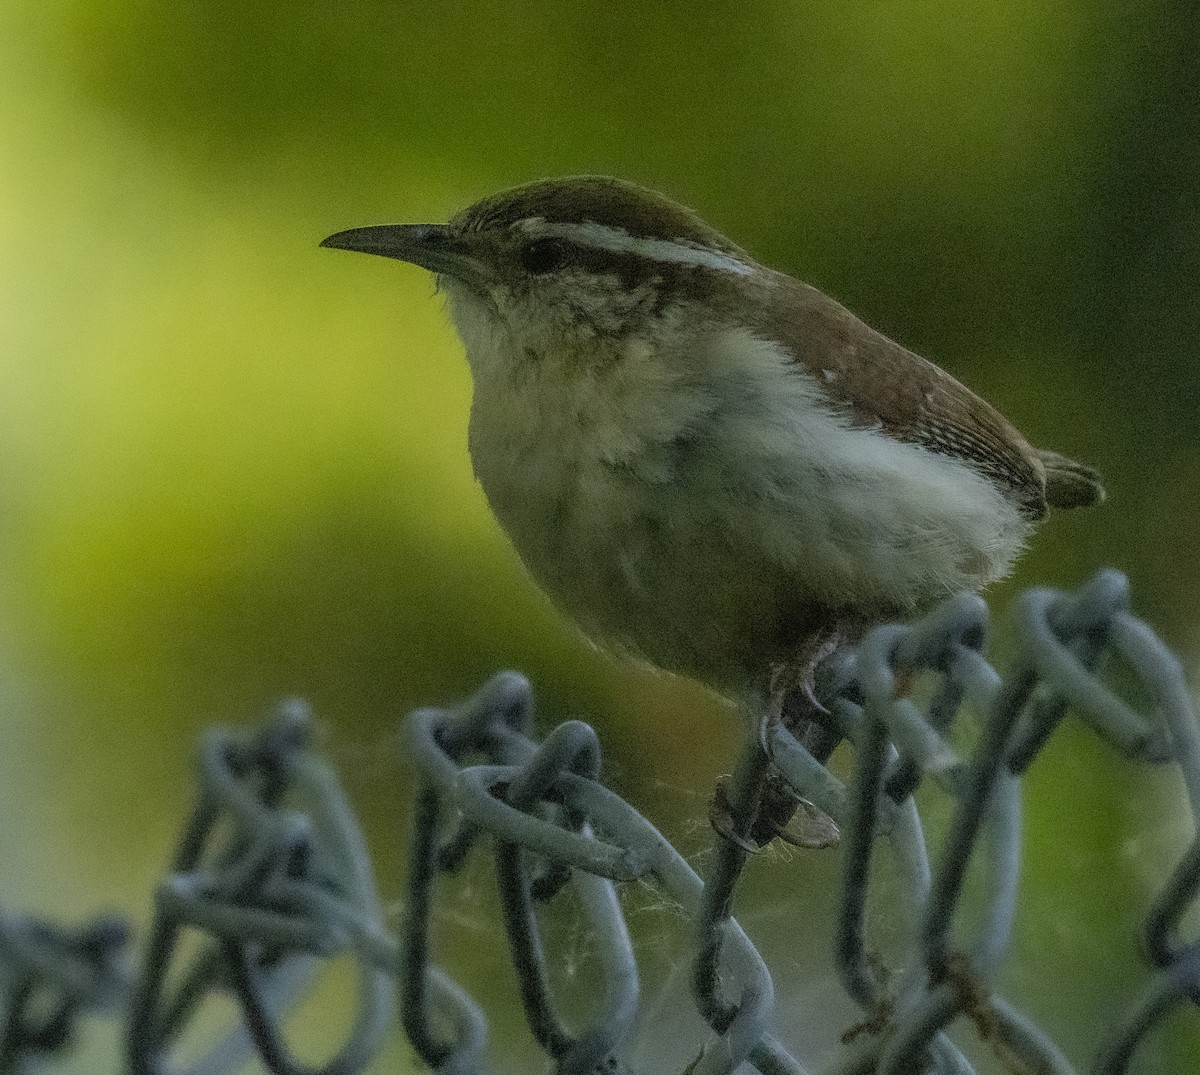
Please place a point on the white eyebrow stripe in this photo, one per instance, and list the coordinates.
(619, 241)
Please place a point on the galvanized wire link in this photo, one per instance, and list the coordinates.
(527, 782)
(948, 971)
(272, 873)
(271, 891)
(50, 977)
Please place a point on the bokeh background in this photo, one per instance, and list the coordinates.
(233, 466)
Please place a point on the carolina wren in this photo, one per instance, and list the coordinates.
(707, 463)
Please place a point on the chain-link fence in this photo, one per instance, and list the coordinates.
(272, 872)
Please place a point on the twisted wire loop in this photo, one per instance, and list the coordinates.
(1061, 638)
(272, 876)
(552, 821)
(272, 891)
(50, 977)
(524, 784)
(554, 824)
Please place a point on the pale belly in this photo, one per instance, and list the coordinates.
(655, 573)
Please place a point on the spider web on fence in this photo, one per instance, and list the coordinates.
(275, 889)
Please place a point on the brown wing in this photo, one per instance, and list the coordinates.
(878, 383)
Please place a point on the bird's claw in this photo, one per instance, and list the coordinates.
(809, 694)
(808, 828)
(794, 821)
(720, 817)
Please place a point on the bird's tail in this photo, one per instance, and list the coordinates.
(1070, 484)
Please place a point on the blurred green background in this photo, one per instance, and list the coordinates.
(233, 466)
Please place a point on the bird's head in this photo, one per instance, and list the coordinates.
(561, 262)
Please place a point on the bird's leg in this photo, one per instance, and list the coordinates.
(720, 814)
(782, 813)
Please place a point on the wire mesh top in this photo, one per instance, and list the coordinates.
(273, 872)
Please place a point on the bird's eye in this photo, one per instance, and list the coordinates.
(545, 255)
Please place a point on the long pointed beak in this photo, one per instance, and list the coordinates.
(432, 246)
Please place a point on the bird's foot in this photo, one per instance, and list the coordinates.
(786, 816)
(720, 817)
(808, 827)
(782, 815)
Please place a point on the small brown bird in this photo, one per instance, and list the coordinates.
(706, 463)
